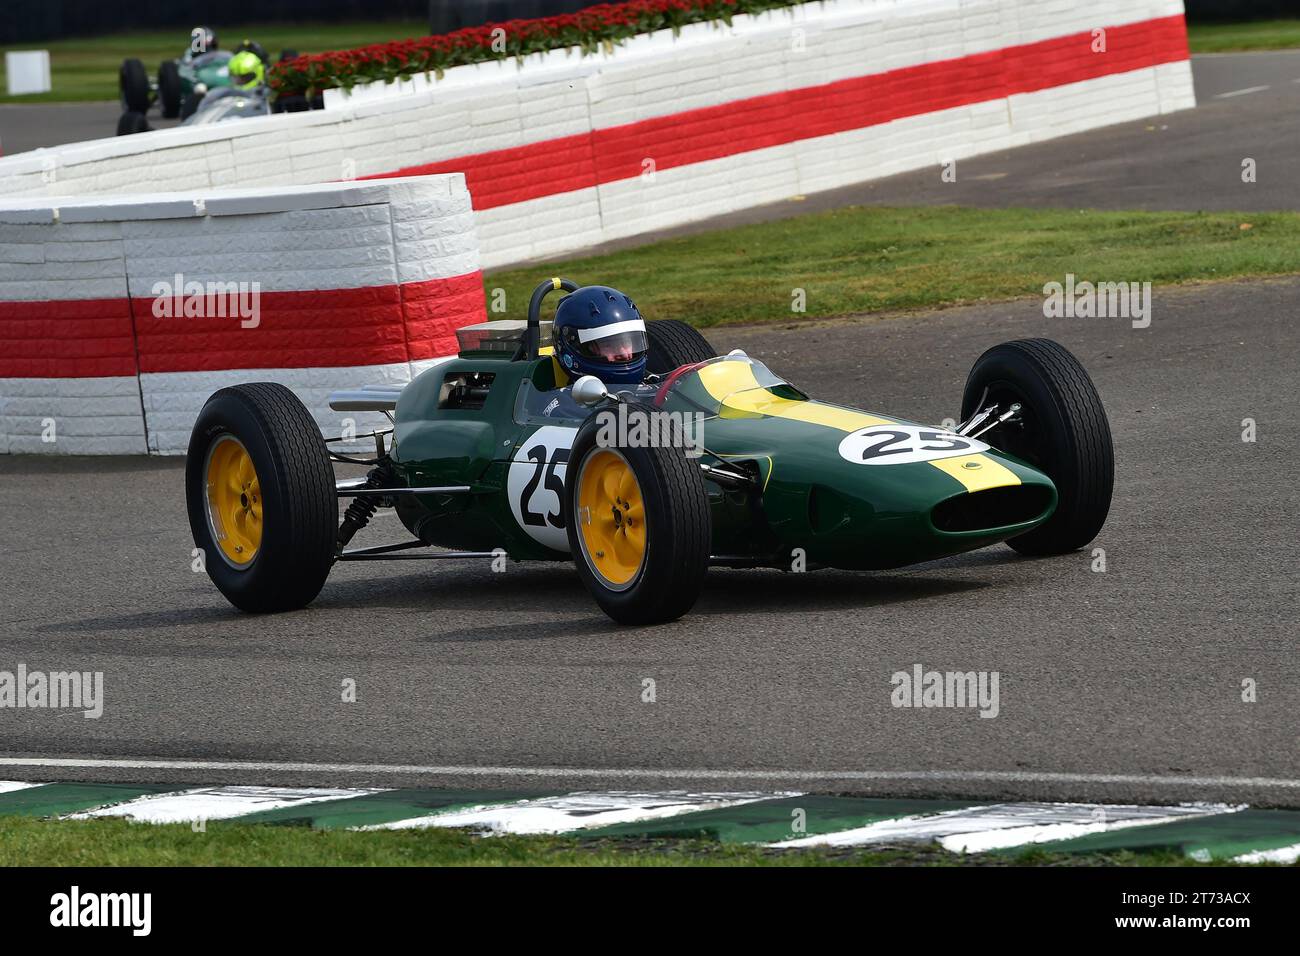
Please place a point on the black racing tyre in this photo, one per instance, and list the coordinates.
(190, 104)
(130, 122)
(260, 492)
(674, 344)
(133, 82)
(1063, 431)
(638, 525)
(290, 103)
(169, 89)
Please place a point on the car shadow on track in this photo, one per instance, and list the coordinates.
(529, 602)
(731, 592)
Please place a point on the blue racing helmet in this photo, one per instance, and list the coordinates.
(598, 331)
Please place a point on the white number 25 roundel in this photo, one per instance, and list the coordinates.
(903, 444)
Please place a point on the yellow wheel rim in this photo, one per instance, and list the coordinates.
(611, 518)
(234, 501)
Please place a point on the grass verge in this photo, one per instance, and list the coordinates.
(873, 259)
(1238, 37)
(85, 68)
(115, 842)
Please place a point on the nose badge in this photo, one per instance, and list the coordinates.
(972, 465)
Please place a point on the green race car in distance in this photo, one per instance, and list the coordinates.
(713, 461)
(180, 82)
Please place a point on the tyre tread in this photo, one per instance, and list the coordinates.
(673, 344)
(1088, 487)
(669, 589)
(304, 483)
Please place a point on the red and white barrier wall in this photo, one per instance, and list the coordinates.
(564, 151)
(119, 317)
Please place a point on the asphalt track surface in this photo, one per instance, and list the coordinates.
(1116, 686)
(24, 127)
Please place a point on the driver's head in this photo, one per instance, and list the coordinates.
(598, 331)
(246, 70)
(203, 40)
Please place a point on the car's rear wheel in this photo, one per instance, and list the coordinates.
(169, 89)
(129, 123)
(638, 526)
(133, 83)
(1062, 431)
(260, 492)
(674, 344)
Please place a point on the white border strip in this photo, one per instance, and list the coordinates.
(216, 803)
(1285, 854)
(1005, 825)
(579, 811)
(13, 786)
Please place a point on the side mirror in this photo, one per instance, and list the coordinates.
(589, 390)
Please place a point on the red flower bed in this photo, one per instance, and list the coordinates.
(605, 24)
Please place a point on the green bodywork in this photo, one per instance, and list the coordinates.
(208, 69)
(808, 495)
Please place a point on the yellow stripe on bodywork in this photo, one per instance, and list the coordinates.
(558, 371)
(733, 384)
(977, 472)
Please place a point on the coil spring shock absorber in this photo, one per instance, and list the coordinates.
(363, 507)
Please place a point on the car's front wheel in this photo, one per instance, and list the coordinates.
(169, 89)
(260, 492)
(1062, 430)
(638, 526)
(190, 104)
(133, 84)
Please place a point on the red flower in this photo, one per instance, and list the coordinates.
(588, 28)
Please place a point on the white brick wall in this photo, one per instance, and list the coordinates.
(493, 106)
(57, 252)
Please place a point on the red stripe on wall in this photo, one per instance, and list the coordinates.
(325, 328)
(309, 329)
(83, 338)
(433, 311)
(520, 173)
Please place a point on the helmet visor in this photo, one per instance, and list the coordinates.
(617, 349)
(244, 79)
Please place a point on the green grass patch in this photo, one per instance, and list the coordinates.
(86, 68)
(114, 842)
(1250, 35)
(883, 259)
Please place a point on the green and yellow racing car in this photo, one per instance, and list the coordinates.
(709, 461)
